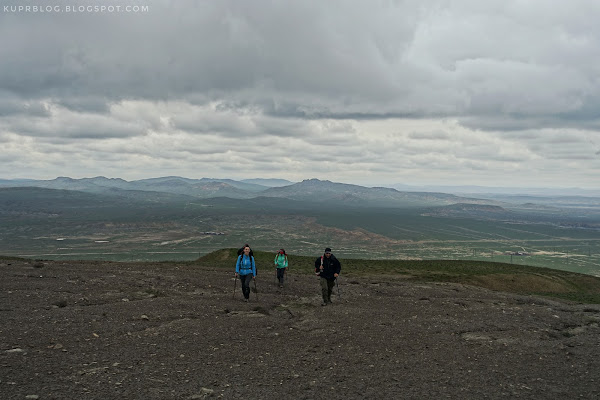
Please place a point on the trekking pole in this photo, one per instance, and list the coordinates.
(234, 286)
(255, 289)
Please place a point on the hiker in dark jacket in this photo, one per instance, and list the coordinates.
(245, 269)
(328, 268)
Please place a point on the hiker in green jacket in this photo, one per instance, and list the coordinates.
(281, 263)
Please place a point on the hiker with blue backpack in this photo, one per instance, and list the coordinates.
(245, 269)
(328, 268)
(281, 264)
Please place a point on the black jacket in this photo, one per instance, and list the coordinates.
(331, 266)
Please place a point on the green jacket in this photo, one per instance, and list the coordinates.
(281, 261)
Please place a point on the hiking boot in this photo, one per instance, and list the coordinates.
(324, 303)
(245, 300)
(281, 286)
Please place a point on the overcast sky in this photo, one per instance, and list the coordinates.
(493, 93)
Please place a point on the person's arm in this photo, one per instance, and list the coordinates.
(285, 262)
(237, 265)
(338, 267)
(253, 267)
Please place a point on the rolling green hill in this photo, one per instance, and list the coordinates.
(525, 280)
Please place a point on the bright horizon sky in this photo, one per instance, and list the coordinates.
(494, 93)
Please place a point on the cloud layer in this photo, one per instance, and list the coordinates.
(495, 93)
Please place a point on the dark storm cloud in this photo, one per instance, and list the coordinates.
(247, 52)
(316, 60)
(13, 106)
(76, 127)
(85, 104)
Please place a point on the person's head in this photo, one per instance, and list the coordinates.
(327, 252)
(246, 249)
(282, 251)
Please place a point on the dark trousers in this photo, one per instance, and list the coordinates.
(246, 285)
(280, 275)
(326, 288)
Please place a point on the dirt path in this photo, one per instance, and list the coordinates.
(92, 330)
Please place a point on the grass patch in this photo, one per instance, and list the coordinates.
(11, 258)
(526, 280)
(577, 297)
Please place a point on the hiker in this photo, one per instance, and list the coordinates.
(328, 268)
(281, 264)
(245, 269)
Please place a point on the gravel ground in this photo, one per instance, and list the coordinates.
(99, 330)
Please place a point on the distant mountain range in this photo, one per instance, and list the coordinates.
(268, 182)
(490, 191)
(316, 190)
(310, 190)
(202, 188)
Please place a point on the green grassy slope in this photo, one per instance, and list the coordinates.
(511, 278)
